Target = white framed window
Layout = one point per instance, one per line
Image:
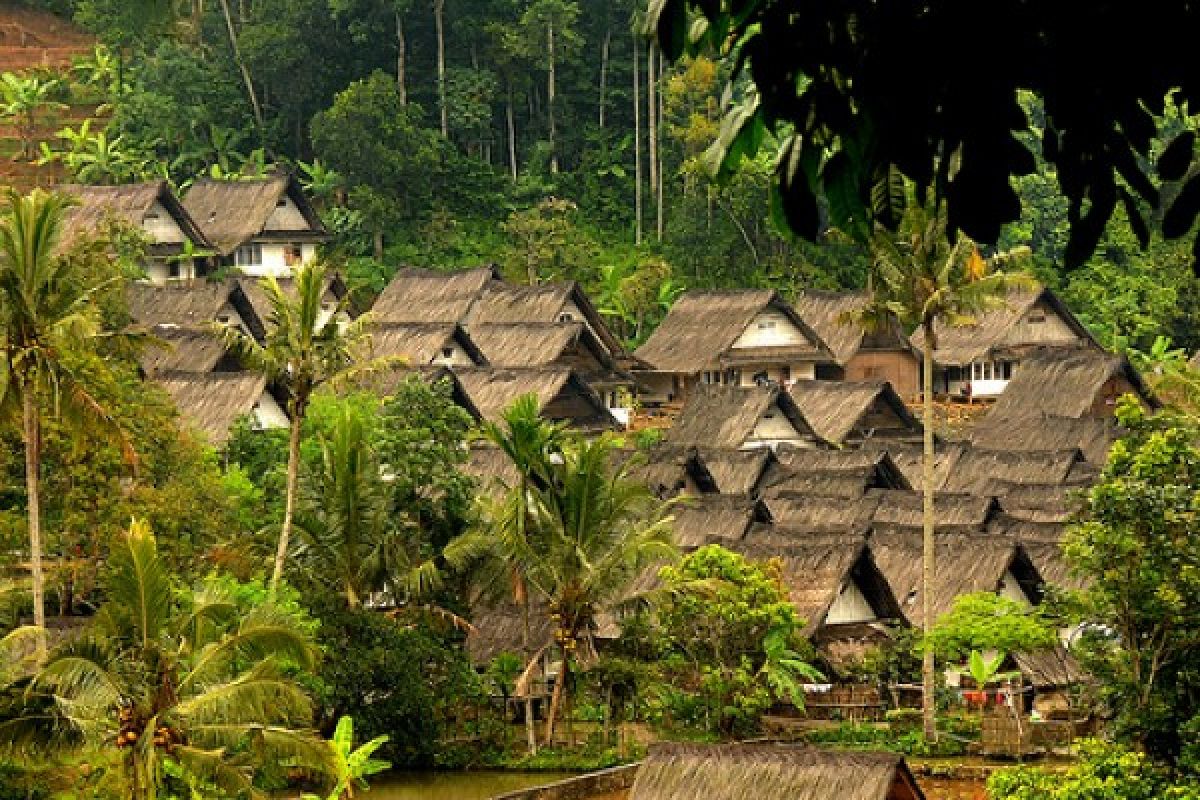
(174, 269)
(249, 255)
(447, 352)
(566, 316)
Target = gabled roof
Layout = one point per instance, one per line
(189, 305)
(426, 295)
(505, 303)
(909, 458)
(966, 563)
(421, 343)
(1064, 382)
(232, 213)
(726, 416)
(1035, 430)
(813, 512)
(183, 349)
(959, 345)
(668, 470)
(837, 408)
(719, 518)
(977, 468)
(831, 315)
(562, 395)
(887, 474)
(129, 204)
(899, 509)
(735, 471)
(850, 485)
(770, 771)
(334, 288)
(702, 326)
(211, 402)
(385, 383)
(537, 344)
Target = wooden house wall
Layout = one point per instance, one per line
(900, 368)
(1105, 401)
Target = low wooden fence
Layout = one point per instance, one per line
(851, 703)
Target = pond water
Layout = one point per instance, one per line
(456, 785)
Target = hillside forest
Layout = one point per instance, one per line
(547, 136)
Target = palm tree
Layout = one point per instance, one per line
(202, 682)
(922, 279)
(596, 530)
(48, 315)
(305, 348)
(530, 443)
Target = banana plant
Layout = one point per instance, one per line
(351, 765)
(21, 100)
(784, 668)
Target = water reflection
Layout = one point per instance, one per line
(456, 785)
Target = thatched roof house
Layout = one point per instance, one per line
(977, 469)
(717, 518)
(1038, 503)
(966, 563)
(670, 471)
(561, 394)
(211, 402)
(564, 301)
(426, 343)
(270, 209)
(151, 208)
(850, 485)
(909, 458)
(334, 292)
(1035, 430)
(735, 417)
(899, 509)
(884, 354)
(417, 295)
(176, 349)
(386, 382)
(771, 772)
(491, 468)
(812, 512)
(847, 413)
(193, 305)
(1071, 383)
(736, 471)
(737, 337)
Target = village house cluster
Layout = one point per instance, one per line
(788, 425)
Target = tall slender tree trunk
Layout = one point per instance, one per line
(556, 700)
(652, 115)
(401, 60)
(241, 65)
(658, 169)
(637, 144)
(33, 461)
(289, 499)
(550, 94)
(604, 50)
(928, 543)
(439, 6)
(530, 727)
(512, 133)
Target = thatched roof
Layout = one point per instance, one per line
(186, 350)
(905, 509)
(794, 509)
(966, 563)
(716, 518)
(542, 344)
(770, 772)
(727, 416)
(1039, 431)
(1064, 382)
(211, 402)
(850, 485)
(1054, 668)
(1037, 503)
(426, 295)
(491, 468)
(501, 629)
(702, 326)
(508, 304)
(334, 290)
(799, 459)
(385, 383)
(838, 410)
(831, 315)
(421, 343)
(736, 471)
(669, 470)
(128, 204)
(190, 305)
(991, 331)
(909, 456)
(561, 395)
(232, 213)
(977, 468)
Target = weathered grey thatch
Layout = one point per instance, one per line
(716, 518)
(334, 290)
(770, 772)
(1033, 430)
(211, 402)
(909, 456)
(561, 395)
(127, 204)
(905, 509)
(426, 295)
(1054, 668)
(994, 330)
(386, 382)
(191, 305)
(1048, 504)
(737, 471)
(701, 327)
(832, 314)
(508, 304)
(966, 563)
(727, 416)
(850, 485)
(845, 411)
(977, 468)
(544, 344)
(669, 471)
(175, 349)
(1068, 382)
(807, 511)
(422, 343)
(501, 629)
(491, 468)
(232, 213)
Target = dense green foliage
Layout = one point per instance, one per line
(1103, 772)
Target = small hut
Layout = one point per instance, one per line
(211, 402)
(562, 396)
(735, 471)
(909, 459)
(846, 414)
(1070, 382)
(669, 471)
(332, 293)
(771, 772)
(194, 306)
(1034, 430)
(737, 417)
(179, 349)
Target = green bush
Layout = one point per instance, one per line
(1103, 772)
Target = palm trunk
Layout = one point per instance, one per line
(241, 65)
(530, 728)
(928, 702)
(512, 133)
(289, 499)
(604, 48)
(550, 99)
(401, 64)
(637, 145)
(438, 7)
(33, 463)
(658, 167)
(652, 116)
(556, 700)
